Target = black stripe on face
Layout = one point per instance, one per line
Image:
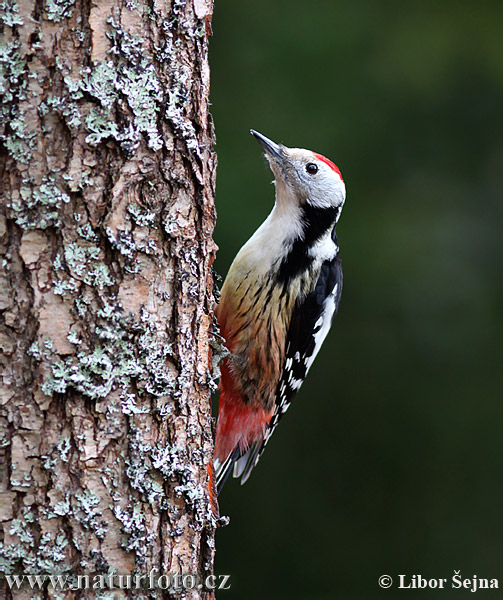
(316, 222)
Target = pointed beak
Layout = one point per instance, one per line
(273, 149)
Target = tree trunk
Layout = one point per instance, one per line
(106, 299)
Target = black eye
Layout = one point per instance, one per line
(311, 168)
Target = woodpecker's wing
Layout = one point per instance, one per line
(310, 323)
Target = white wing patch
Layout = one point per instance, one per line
(323, 326)
(297, 367)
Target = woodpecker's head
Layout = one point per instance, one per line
(303, 176)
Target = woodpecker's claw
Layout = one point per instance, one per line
(268, 145)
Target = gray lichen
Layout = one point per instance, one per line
(19, 142)
(88, 515)
(38, 207)
(57, 10)
(62, 105)
(124, 242)
(9, 13)
(127, 76)
(13, 85)
(130, 407)
(60, 453)
(101, 82)
(101, 126)
(140, 473)
(64, 448)
(12, 70)
(18, 527)
(142, 218)
(46, 555)
(174, 463)
(179, 97)
(87, 233)
(125, 350)
(51, 556)
(63, 508)
(138, 540)
(85, 264)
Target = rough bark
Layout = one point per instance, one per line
(106, 301)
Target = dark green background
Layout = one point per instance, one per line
(390, 460)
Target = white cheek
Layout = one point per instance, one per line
(326, 192)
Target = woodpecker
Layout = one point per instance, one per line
(277, 304)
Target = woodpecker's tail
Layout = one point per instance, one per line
(223, 469)
(241, 465)
(245, 464)
(240, 433)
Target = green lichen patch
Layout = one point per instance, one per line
(137, 537)
(38, 352)
(45, 555)
(64, 448)
(63, 106)
(13, 84)
(9, 13)
(10, 555)
(101, 126)
(20, 142)
(63, 287)
(142, 218)
(124, 350)
(88, 514)
(101, 82)
(12, 71)
(124, 88)
(127, 79)
(85, 264)
(18, 528)
(57, 10)
(173, 462)
(142, 477)
(51, 556)
(38, 207)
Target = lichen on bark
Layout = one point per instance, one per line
(106, 292)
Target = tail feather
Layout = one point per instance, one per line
(241, 465)
(247, 462)
(223, 469)
(240, 433)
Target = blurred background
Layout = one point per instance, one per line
(390, 459)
